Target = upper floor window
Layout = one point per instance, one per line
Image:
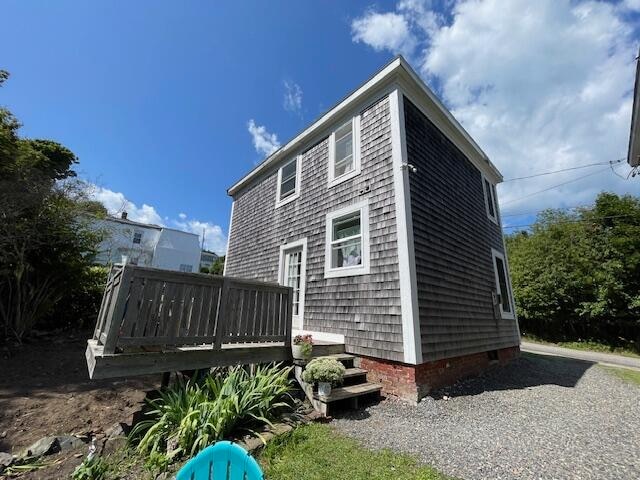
(347, 241)
(344, 152)
(502, 284)
(490, 199)
(289, 181)
(137, 237)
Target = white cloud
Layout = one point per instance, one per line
(214, 238)
(540, 86)
(264, 142)
(384, 31)
(116, 203)
(292, 97)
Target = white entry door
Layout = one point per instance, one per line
(292, 274)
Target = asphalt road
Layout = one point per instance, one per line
(597, 357)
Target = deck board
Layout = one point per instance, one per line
(101, 365)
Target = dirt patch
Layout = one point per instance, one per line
(45, 390)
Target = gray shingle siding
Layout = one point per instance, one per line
(365, 308)
(453, 238)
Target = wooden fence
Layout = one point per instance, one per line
(147, 307)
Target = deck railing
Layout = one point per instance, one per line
(151, 308)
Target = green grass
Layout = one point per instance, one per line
(316, 452)
(626, 374)
(585, 345)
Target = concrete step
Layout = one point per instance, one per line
(342, 393)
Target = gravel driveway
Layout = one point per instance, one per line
(540, 417)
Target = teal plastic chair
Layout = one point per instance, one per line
(221, 461)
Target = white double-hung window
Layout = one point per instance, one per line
(503, 287)
(289, 181)
(490, 200)
(344, 152)
(347, 241)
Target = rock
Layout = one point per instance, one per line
(115, 430)
(280, 428)
(6, 459)
(44, 446)
(115, 439)
(69, 442)
(3, 434)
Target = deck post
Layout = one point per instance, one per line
(112, 326)
(289, 318)
(220, 318)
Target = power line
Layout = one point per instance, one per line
(542, 210)
(556, 186)
(610, 162)
(591, 220)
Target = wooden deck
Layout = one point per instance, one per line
(154, 321)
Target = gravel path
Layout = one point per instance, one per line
(538, 418)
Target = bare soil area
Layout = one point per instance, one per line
(45, 390)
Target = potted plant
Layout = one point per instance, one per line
(302, 347)
(326, 372)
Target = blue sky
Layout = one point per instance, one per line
(167, 104)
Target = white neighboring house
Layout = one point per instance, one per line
(207, 259)
(147, 245)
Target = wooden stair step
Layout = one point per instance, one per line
(354, 372)
(341, 357)
(342, 393)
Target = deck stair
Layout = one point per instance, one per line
(355, 385)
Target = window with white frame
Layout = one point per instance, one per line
(344, 152)
(347, 241)
(490, 199)
(186, 268)
(502, 284)
(137, 237)
(289, 181)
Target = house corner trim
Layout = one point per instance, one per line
(226, 258)
(412, 346)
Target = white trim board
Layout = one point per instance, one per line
(411, 341)
(301, 243)
(323, 336)
(226, 253)
(355, 153)
(296, 192)
(364, 267)
(496, 254)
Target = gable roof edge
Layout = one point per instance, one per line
(396, 67)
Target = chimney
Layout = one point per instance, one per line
(123, 216)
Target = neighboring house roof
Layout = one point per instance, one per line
(397, 71)
(633, 154)
(126, 221)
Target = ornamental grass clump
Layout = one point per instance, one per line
(190, 416)
(324, 370)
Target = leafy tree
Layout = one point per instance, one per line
(46, 239)
(218, 266)
(577, 275)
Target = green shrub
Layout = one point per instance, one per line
(188, 417)
(324, 369)
(91, 469)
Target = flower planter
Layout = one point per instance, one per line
(324, 389)
(296, 351)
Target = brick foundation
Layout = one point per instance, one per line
(412, 382)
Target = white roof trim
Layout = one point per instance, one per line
(399, 68)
